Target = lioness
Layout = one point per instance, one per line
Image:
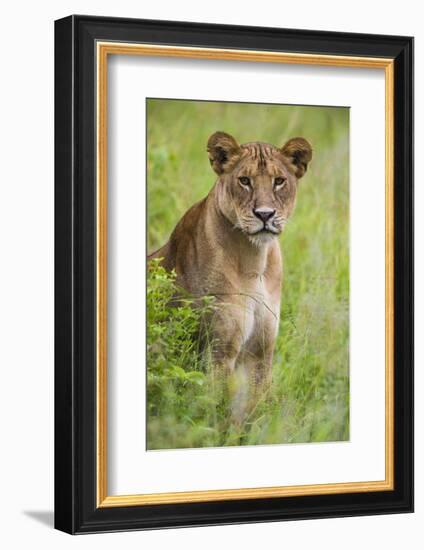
(226, 245)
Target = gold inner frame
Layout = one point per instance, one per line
(104, 49)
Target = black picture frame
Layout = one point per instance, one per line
(76, 510)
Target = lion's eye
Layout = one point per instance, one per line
(279, 182)
(244, 180)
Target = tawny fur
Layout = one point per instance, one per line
(220, 247)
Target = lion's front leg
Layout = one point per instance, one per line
(230, 328)
(251, 380)
(257, 356)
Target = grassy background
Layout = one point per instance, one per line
(309, 400)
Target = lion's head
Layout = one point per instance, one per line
(258, 182)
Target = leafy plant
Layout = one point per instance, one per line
(176, 370)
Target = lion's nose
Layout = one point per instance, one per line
(264, 213)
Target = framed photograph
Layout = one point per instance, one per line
(234, 274)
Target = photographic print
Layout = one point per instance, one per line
(247, 274)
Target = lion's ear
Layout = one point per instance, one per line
(223, 151)
(298, 152)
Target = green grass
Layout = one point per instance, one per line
(309, 397)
